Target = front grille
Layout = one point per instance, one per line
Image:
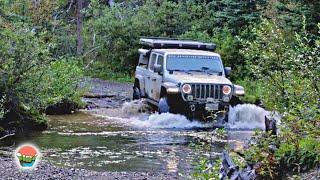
(204, 91)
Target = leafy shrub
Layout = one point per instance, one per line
(55, 83)
(104, 71)
(288, 66)
(260, 155)
(204, 170)
(254, 90)
(305, 156)
(31, 79)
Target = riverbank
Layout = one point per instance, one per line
(45, 170)
(105, 94)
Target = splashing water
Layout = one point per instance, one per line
(165, 120)
(244, 117)
(137, 119)
(247, 116)
(134, 107)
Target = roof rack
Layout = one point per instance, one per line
(162, 43)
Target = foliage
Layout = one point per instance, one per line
(261, 155)
(289, 67)
(204, 170)
(55, 83)
(2, 109)
(275, 58)
(301, 156)
(103, 71)
(254, 90)
(32, 78)
(220, 133)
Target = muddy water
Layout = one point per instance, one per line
(124, 139)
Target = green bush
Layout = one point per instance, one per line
(254, 90)
(305, 156)
(103, 71)
(55, 83)
(31, 78)
(288, 66)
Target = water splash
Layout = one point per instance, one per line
(247, 116)
(135, 107)
(132, 111)
(164, 121)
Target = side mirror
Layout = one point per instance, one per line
(158, 68)
(227, 70)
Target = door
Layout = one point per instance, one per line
(149, 73)
(156, 79)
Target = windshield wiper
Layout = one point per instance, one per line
(179, 70)
(208, 71)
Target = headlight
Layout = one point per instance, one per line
(226, 90)
(186, 88)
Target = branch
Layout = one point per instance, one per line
(8, 135)
(70, 6)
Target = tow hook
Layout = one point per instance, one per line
(192, 107)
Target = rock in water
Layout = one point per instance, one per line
(271, 124)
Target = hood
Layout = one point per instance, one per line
(197, 78)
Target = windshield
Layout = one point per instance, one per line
(194, 63)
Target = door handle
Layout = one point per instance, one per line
(154, 79)
(148, 77)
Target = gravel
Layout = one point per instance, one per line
(45, 170)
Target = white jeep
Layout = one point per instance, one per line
(183, 76)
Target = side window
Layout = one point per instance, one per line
(152, 61)
(143, 61)
(160, 61)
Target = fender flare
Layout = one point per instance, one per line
(169, 88)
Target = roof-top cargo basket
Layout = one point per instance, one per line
(167, 43)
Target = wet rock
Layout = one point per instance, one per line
(259, 103)
(230, 171)
(270, 123)
(63, 107)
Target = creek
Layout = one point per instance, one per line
(126, 139)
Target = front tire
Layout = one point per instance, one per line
(163, 106)
(136, 93)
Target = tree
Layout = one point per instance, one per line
(79, 27)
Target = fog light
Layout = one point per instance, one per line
(225, 99)
(190, 98)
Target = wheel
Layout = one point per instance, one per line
(136, 93)
(163, 106)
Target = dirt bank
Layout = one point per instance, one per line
(105, 94)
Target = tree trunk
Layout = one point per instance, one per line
(79, 27)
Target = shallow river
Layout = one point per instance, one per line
(125, 140)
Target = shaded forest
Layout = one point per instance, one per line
(273, 47)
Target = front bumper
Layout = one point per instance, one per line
(208, 106)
